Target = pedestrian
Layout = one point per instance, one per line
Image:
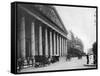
(28, 61)
(87, 56)
(94, 59)
(68, 57)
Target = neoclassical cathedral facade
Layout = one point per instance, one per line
(40, 33)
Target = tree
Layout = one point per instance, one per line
(75, 45)
(79, 44)
(94, 49)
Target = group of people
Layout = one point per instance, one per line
(91, 59)
(36, 62)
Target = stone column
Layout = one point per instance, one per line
(54, 44)
(60, 46)
(18, 49)
(51, 44)
(57, 46)
(63, 46)
(22, 38)
(64, 53)
(33, 42)
(66, 45)
(40, 41)
(32, 39)
(46, 42)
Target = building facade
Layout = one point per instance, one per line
(40, 33)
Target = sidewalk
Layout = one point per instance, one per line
(74, 63)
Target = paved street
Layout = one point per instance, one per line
(74, 63)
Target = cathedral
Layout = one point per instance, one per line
(41, 34)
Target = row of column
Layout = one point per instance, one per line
(58, 44)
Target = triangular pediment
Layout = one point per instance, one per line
(51, 13)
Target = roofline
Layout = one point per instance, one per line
(60, 20)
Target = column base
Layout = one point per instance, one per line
(25, 63)
(21, 63)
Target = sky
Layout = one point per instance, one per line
(81, 21)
